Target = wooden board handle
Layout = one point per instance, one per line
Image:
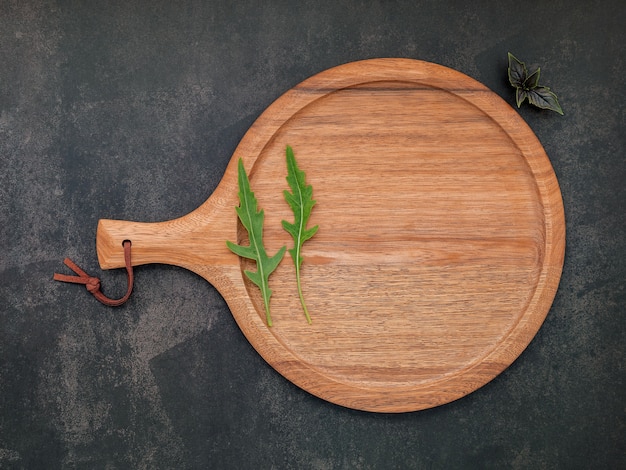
(196, 241)
(188, 242)
(152, 242)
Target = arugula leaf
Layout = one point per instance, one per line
(301, 202)
(527, 86)
(252, 220)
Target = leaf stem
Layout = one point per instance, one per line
(306, 310)
(266, 301)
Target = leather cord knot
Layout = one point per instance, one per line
(93, 283)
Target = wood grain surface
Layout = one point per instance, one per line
(440, 246)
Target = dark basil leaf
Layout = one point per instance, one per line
(517, 71)
(543, 98)
(532, 81)
(527, 86)
(520, 96)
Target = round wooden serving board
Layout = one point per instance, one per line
(440, 245)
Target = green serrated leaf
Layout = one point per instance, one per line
(517, 71)
(252, 220)
(255, 278)
(301, 202)
(543, 98)
(243, 251)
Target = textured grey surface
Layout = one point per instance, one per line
(131, 110)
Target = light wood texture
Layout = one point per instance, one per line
(440, 246)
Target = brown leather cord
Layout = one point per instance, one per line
(93, 283)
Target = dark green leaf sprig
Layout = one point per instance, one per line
(527, 86)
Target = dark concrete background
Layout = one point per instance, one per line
(132, 109)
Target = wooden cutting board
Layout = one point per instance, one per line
(440, 245)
